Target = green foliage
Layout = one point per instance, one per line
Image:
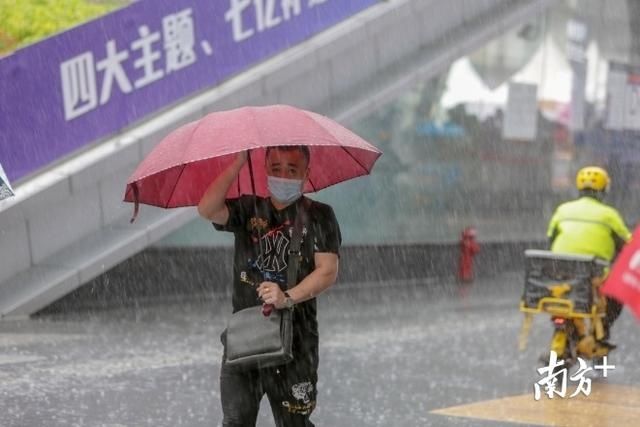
(26, 21)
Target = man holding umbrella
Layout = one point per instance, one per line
(298, 151)
(263, 227)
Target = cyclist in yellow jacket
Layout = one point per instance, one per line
(589, 226)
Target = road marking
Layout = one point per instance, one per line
(23, 339)
(8, 359)
(607, 405)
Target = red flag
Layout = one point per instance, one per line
(623, 282)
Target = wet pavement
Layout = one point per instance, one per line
(390, 354)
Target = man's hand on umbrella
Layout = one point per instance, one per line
(241, 158)
(271, 293)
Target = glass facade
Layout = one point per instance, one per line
(495, 140)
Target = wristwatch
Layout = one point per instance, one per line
(288, 301)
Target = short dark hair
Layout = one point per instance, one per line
(302, 148)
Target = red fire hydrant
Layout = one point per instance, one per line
(468, 249)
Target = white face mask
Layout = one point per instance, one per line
(284, 190)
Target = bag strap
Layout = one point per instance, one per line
(296, 242)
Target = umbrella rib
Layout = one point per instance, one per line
(313, 187)
(175, 186)
(356, 160)
(306, 113)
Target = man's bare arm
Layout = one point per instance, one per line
(212, 205)
(320, 279)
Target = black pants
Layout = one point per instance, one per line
(291, 390)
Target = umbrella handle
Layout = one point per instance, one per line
(267, 309)
(253, 186)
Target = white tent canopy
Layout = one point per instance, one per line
(548, 68)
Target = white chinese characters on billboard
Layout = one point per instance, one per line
(81, 92)
(88, 82)
(265, 12)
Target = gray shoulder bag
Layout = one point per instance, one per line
(255, 340)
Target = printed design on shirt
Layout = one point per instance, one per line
(258, 224)
(275, 248)
(275, 245)
(244, 278)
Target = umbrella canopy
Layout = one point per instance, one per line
(623, 282)
(5, 187)
(180, 168)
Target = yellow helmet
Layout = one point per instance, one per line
(592, 178)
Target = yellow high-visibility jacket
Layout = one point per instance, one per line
(587, 226)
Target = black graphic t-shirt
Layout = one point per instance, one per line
(263, 223)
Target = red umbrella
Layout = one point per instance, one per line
(623, 282)
(179, 169)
